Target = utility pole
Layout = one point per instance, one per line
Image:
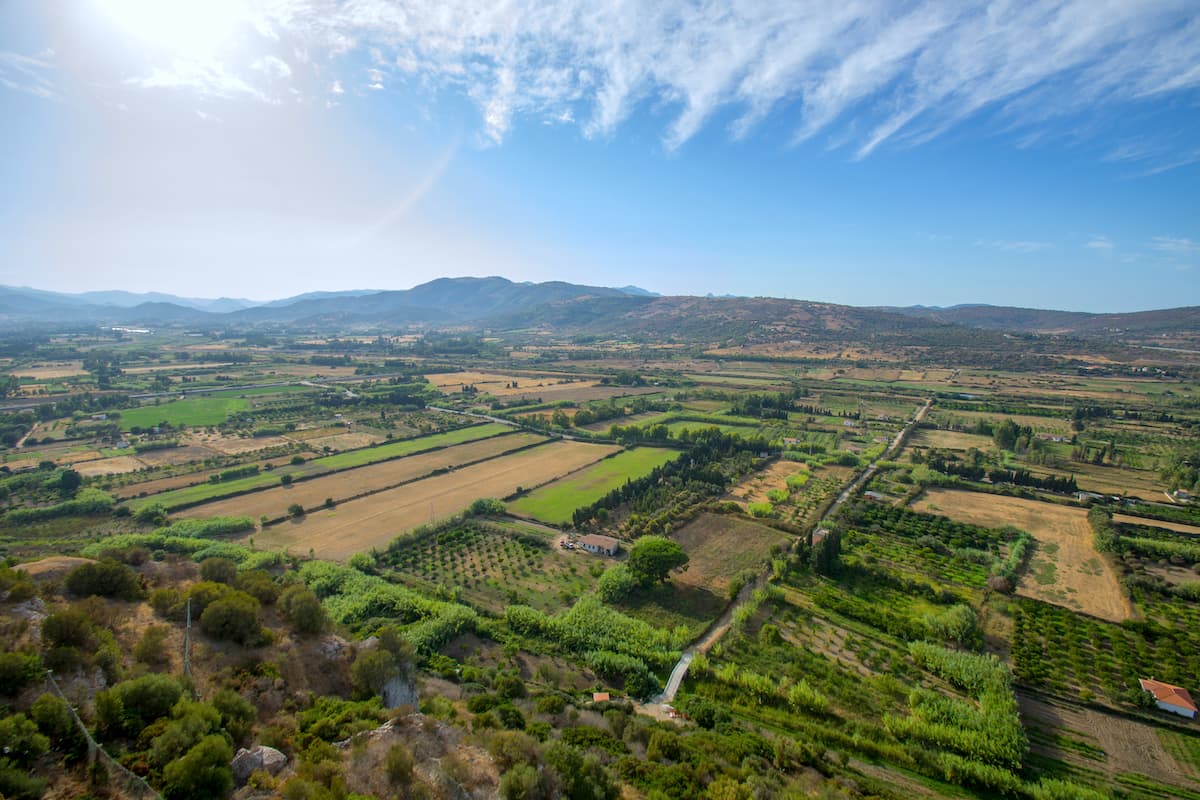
(187, 641)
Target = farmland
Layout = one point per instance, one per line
(556, 502)
(862, 622)
(192, 495)
(1065, 567)
(349, 483)
(371, 522)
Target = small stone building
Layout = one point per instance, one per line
(603, 545)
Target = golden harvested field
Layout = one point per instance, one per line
(720, 547)
(176, 455)
(1065, 568)
(1158, 523)
(1141, 483)
(161, 484)
(108, 466)
(949, 440)
(50, 370)
(373, 521)
(345, 441)
(755, 487)
(348, 483)
(236, 445)
(501, 385)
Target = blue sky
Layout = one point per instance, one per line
(1041, 154)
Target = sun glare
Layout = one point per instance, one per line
(187, 28)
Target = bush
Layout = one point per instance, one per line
(131, 705)
(616, 583)
(205, 593)
(53, 719)
(237, 713)
(202, 774)
(106, 578)
(20, 740)
(68, 628)
(398, 765)
(258, 584)
(303, 609)
(18, 670)
(17, 784)
(218, 570)
(234, 618)
(151, 649)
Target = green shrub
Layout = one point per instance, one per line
(234, 618)
(18, 670)
(203, 774)
(151, 649)
(218, 570)
(106, 578)
(129, 706)
(20, 740)
(616, 583)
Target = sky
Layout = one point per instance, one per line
(871, 152)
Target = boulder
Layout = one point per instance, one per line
(256, 758)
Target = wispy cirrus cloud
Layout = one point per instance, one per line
(1102, 243)
(863, 74)
(28, 74)
(1176, 245)
(1015, 246)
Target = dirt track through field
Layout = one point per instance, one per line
(1065, 568)
(356, 482)
(359, 525)
(1178, 527)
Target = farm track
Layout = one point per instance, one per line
(655, 707)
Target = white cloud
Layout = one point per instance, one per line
(28, 74)
(862, 73)
(1100, 243)
(336, 88)
(1017, 246)
(1176, 245)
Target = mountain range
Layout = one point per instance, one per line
(500, 304)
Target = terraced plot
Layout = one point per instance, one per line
(373, 521)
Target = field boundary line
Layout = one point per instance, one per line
(426, 476)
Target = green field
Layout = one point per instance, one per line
(192, 495)
(691, 425)
(194, 411)
(556, 502)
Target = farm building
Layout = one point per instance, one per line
(818, 535)
(1170, 698)
(604, 545)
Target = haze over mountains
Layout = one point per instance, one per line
(499, 303)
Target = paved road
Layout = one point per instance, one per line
(656, 706)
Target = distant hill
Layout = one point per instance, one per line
(1033, 320)
(497, 303)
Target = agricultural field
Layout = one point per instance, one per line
(556, 502)
(200, 493)
(371, 522)
(494, 567)
(721, 547)
(345, 484)
(191, 412)
(930, 642)
(1065, 567)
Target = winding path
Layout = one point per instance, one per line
(658, 706)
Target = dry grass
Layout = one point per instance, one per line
(1158, 523)
(755, 487)
(236, 445)
(354, 482)
(360, 525)
(176, 455)
(949, 440)
(1129, 746)
(1065, 568)
(108, 466)
(720, 547)
(51, 370)
(345, 441)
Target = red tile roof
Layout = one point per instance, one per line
(599, 697)
(1167, 693)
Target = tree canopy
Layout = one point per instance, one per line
(652, 558)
